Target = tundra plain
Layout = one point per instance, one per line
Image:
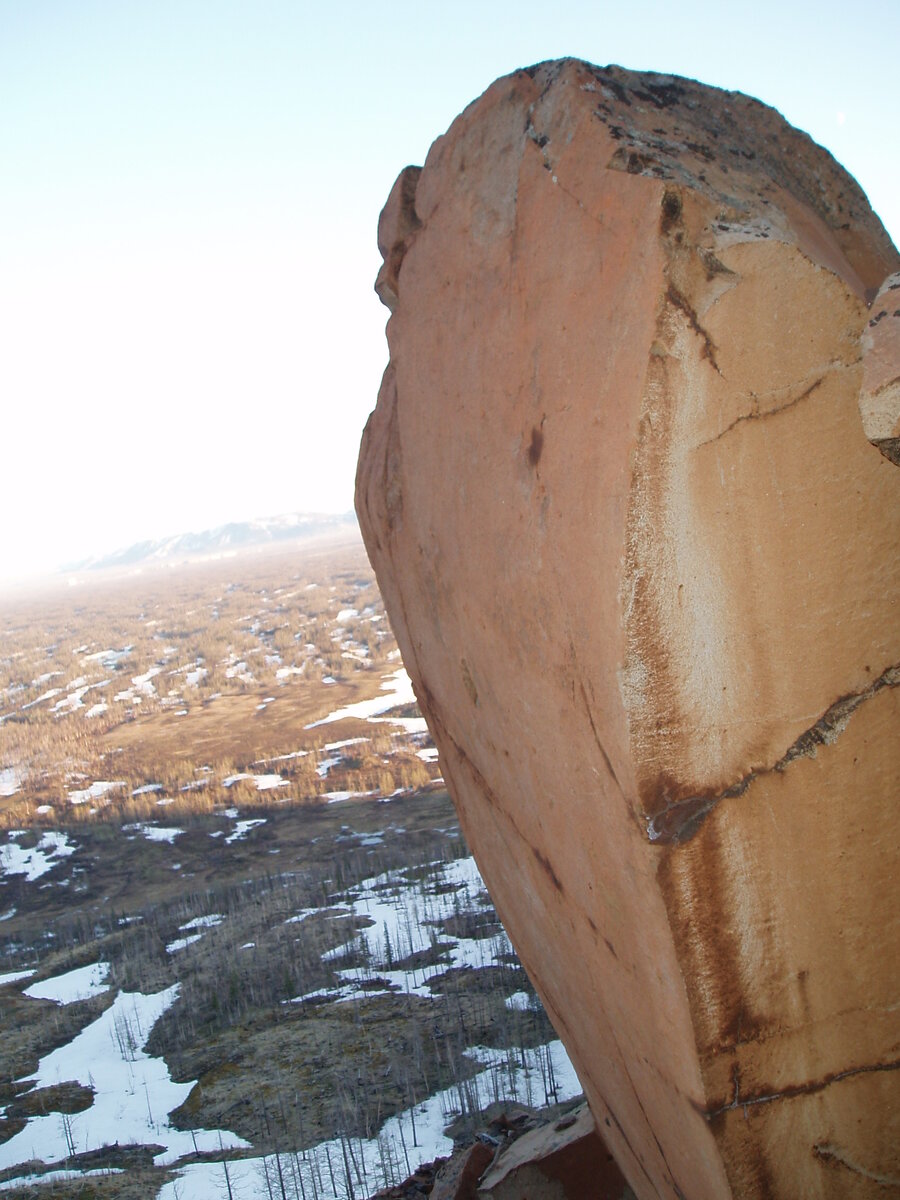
(244, 949)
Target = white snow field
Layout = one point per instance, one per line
(345, 1167)
(10, 781)
(80, 984)
(37, 861)
(405, 916)
(15, 976)
(154, 833)
(399, 689)
(96, 791)
(133, 1093)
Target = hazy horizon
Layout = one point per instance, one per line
(189, 218)
(103, 557)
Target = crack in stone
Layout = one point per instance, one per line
(830, 1153)
(680, 820)
(600, 746)
(800, 1089)
(540, 141)
(681, 302)
(756, 415)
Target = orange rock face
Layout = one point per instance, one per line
(641, 559)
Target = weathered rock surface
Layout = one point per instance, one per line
(879, 400)
(458, 1177)
(641, 560)
(565, 1160)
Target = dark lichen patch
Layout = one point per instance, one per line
(660, 95)
(712, 265)
(890, 448)
(634, 162)
(671, 206)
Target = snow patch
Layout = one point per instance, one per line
(153, 833)
(96, 791)
(37, 861)
(15, 976)
(242, 828)
(400, 691)
(133, 1093)
(10, 781)
(80, 984)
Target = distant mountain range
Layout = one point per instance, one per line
(235, 535)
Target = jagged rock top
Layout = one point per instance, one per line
(726, 145)
(731, 148)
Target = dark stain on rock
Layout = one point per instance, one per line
(547, 868)
(536, 447)
(600, 746)
(683, 304)
(836, 1159)
(756, 415)
(697, 893)
(469, 681)
(713, 265)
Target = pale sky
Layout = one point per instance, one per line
(189, 193)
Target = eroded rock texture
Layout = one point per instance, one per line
(641, 559)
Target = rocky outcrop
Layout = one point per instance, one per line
(563, 1160)
(640, 557)
(520, 1154)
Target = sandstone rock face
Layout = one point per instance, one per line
(641, 560)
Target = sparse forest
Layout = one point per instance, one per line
(218, 795)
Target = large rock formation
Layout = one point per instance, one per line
(641, 560)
